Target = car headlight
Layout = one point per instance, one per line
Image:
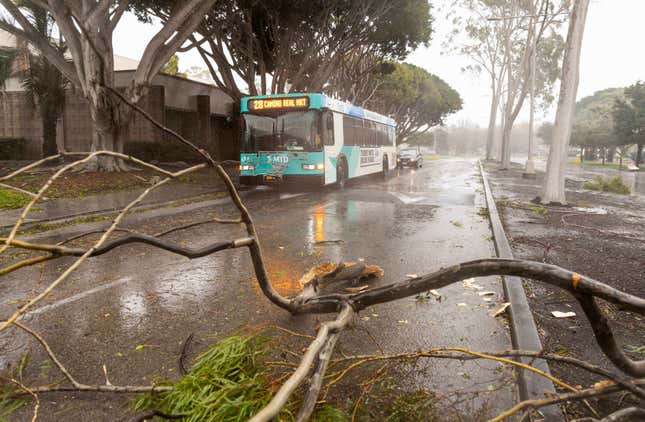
(247, 167)
(398, 160)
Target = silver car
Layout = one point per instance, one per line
(409, 158)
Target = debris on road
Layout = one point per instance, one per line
(470, 284)
(501, 309)
(411, 275)
(559, 314)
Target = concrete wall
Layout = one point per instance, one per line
(194, 120)
(182, 93)
(77, 124)
(19, 118)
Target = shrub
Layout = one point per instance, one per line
(615, 185)
(12, 148)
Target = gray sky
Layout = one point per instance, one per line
(612, 54)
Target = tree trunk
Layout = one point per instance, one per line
(610, 154)
(554, 181)
(582, 155)
(49, 136)
(506, 144)
(492, 121)
(639, 154)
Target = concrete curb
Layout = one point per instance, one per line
(524, 333)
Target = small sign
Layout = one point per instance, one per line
(277, 103)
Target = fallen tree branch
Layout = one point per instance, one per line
(559, 398)
(134, 238)
(89, 252)
(627, 414)
(282, 396)
(439, 353)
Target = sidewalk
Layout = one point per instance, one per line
(110, 201)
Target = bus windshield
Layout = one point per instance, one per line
(292, 131)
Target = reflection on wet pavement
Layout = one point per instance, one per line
(415, 222)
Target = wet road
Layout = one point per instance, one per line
(415, 222)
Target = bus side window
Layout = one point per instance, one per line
(328, 131)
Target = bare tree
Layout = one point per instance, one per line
(521, 36)
(500, 38)
(87, 27)
(554, 180)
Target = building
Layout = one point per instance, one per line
(200, 112)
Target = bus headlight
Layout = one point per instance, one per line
(247, 167)
(319, 166)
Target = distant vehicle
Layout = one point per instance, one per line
(311, 138)
(409, 158)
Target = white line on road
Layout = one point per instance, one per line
(290, 195)
(406, 199)
(78, 296)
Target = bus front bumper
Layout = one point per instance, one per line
(291, 179)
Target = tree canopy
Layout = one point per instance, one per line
(593, 123)
(277, 46)
(629, 118)
(415, 98)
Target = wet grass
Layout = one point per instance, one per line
(10, 199)
(538, 209)
(614, 185)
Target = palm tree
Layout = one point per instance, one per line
(44, 82)
(6, 60)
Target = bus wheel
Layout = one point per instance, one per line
(341, 176)
(386, 168)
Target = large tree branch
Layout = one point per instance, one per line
(37, 40)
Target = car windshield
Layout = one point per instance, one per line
(293, 131)
(408, 153)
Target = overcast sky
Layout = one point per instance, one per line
(613, 54)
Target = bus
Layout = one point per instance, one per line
(312, 139)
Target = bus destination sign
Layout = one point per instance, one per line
(277, 103)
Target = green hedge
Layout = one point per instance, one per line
(12, 148)
(164, 151)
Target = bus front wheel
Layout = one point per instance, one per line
(386, 168)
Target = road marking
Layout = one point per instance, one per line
(406, 199)
(290, 195)
(78, 296)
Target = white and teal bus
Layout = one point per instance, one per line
(312, 139)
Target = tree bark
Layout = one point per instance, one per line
(492, 121)
(554, 180)
(639, 154)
